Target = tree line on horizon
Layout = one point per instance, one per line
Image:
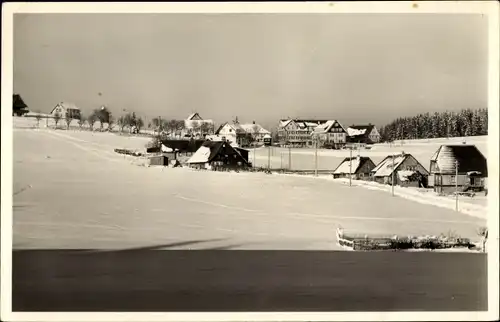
(466, 122)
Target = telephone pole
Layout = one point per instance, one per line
(269, 158)
(393, 174)
(316, 158)
(350, 166)
(456, 185)
(290, 158)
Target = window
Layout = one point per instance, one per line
(453, 179)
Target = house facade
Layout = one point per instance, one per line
(466, 161)
(195, 125)
(330, 134)
(358, 168)
(66, 110)
(403, 168)
(367, 134)
(233, 133)
(297, 133)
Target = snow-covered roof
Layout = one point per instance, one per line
(191, 116)
(385, 168)
(66, 105)
(267, 136)
(166, 148)
(324, 127)
(284, 123)
(201, 155)
(250, 128)
(348, 167)
(354, 132)
(469, 158)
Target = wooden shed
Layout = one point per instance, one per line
(405, 170)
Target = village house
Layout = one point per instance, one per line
(233, 133)
(179, 150)
(404, 168)
(66, 110)
(330, 134)
(466, 161)
(297, 132)
(256, 131)
(196, 126)
(366, 134)
(358, 167)
(215, 155)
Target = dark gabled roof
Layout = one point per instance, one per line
(222, 147)
(368, 129)
(18, 103)
(468, 156)
(183, 145)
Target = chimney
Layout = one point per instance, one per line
(253, 122)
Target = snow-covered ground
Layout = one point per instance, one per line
(72, 191)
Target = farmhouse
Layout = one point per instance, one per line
(367, 134)
(359, 168)
(233, 133)
(330, 134)
(256, 131)
(215, 155)
(66, 109)
(467, 160)
(404, 168)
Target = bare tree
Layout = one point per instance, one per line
(204, 128)
(38, 117)
(121, 123)
(68, 119)
(81, 121)
(111, 122)
(57, 118)
(91, 120)
(139, 123)
(195, 126)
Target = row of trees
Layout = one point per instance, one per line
(176, 126)
(437, 125)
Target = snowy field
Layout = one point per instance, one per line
(72, 191)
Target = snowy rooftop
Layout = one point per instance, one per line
(404, 174)
(385, 168)
(254, 128)
(348, 167)
(354, 132)
(469, 158)
(201, 155)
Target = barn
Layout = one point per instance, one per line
(359, 167)
(405, 170)
(214, 155)
(462, 166)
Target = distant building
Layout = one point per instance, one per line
(404, 168)
(256, 131)
(194, 125)
(358, 167)
(19, 107)
(472, 168)
(367, 134)
(330, 134)
(66, 109)
(295, 132)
